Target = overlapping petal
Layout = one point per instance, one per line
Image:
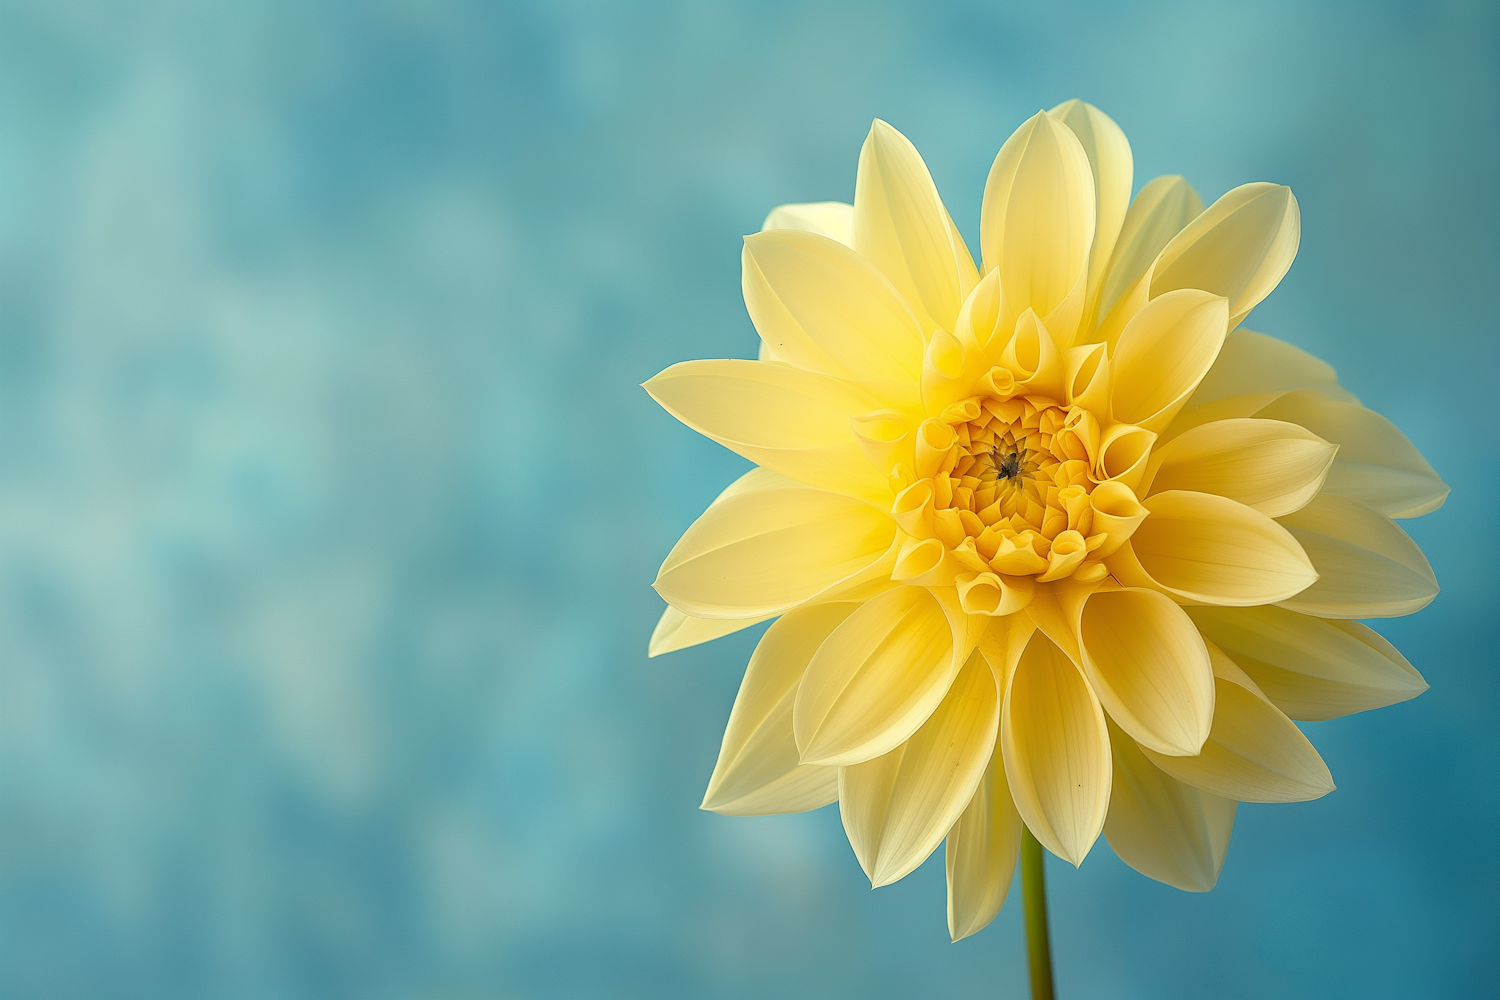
(981, 854)
(1113, 167)
(1272, 466)
(1367, 566)
(833, 219)
(758, 770)
(1158, 213)
(675, 630)
(1163, 352)
(1252, 362)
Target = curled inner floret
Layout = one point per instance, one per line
(1012, 493)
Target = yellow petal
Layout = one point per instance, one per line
(1367, 566)
(823, 307)
(1161, 827)
(758, 771)
(981, 854)
(1376, 464)
(1254, 753)
(1109, 157)
(756, 479)
(877, 678)
(760, 553)
(1037, 223)
(901, 227)
(1311, 668)
(1056, 751)
(1212, 549)
(833, 219)
(790, 421)
(1162, 354)
(1157, 214)
(1271, 465)
(1252, 362)
(1240, 248)
(899, 806)
(1147, 663)
(676, 630)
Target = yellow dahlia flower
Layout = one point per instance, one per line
(1051, 540)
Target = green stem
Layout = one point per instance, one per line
(1034, 894)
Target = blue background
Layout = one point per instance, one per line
(328, 499)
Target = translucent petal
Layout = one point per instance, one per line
(981, 854)
(1149, 667)
(758, 770)
(761, 553)
(901, 226)
(1157, 214)
(899, 806)
(1109, 157)
(1311, 668)
(1272, 466)
(823, 307)
(1367, 566)
(1254, 753)
(1162, 353)
(1253, 362)
(790, 421)
(675, 630)
(876, 679)
(1056, 751)
(1212, 549)
(833, 219)
(1161, 827)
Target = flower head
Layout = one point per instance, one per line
(1051, 541)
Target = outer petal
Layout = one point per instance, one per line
(1311, 668)
(981, 855)
(833, 219)
(823, 307)
(1163, 352)
(1159, 212)
(1239, 248)
(1252, 362)
(901, 227)
(761, 553)
(1212, 549)
(877, 678)
(1161, 827)
(758, 770)
(1037, 223)
(1376, 464)
(1272, 466)
(898, 807)
(1149, 667)
(1367, 566)
(1056, 751)
(675, 630)
(790, 421)
(1109, 157)
(1255, 753)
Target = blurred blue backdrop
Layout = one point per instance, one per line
(328, 499)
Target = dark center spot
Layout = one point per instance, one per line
(1009, 467)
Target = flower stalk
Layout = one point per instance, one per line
(1034, 894)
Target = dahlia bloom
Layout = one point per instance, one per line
(1049, 541)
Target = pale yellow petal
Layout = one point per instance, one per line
(1163, 352)
(981, 854)
(1213, 549)
(1056, 751)
(1253, 362)
(1161, 827)
(1149, 667)
(676, 630)
(1376, 464)
(833, 219)
(899, 806)
(1157, 214)
(1311, 668)
(1254, 753)
(1109, 157)
(1367, 566)
(823, 307)
(761, 553)
(877, 678)
(758, 771)
(901, 226)
(1037, 223)
(1271, 465)
(1240, 247)
(791, 421)
(756, 479)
